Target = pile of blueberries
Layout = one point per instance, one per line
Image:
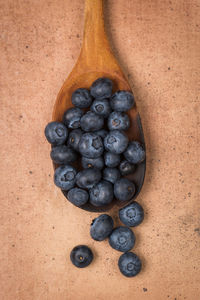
(92, 135)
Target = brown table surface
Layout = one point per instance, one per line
(158, 45)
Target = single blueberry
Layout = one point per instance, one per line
(126, 168)
(124, 189)
(81, 98)
(91, 121)
(101, 88)
(101, 194)
(87, 178)
(102, 133)
(101, 107)
(122, 101)
(135, 152)
(91, 145)
(132, 214)
(56, 133)
(65, 177)
(101, 227)
(111, 174)
(63, 154)
(116, 141)
(77, 196)
(92, 162)
(122, 239)
(72, 117)
(129, 264)
(112, 160)
(81, 256)
(74, 138)
(118, 120)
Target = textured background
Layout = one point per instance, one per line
(158, 45)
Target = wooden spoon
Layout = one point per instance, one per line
(96, 60)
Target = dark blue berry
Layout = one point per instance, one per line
(118, 120)
(132, 214)
(92, 162)
(101, 194)
(56, 133)
(81, 98)
(77, 196)
(116, 141)
(129, 264)
(126, 168)
(72, 117)
(112, 160)
(135, 152)
(81, 256)
(124, 189)
(122, 101)
(91, 145)
(87, 178)
(101, 88)
(102, 133)
(122, 239)
(74, 138)
(101, 227)
(101, 107)
(63, 154)
(111, 174)
(65, 177)
(91, 122)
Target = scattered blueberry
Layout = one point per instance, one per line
(91, 145)
(132, 214)
(81, 98)
(112, 160)
(72, 117)
(126, 168)
(74, 138)
(122, 101)
(81, 256)
(65, 177)
(56, 133)
(101, 107)
(101, 227)
(77, 196)
(135, 152)
(101, 88)
(118, 120)
(101, 194)
(129, 264)
(122, 239)
(102, 133)
(124, 189)
(92, 162)
(91, 122)
(87, 178)
(116, 141)
(111, 174)
(63, 154)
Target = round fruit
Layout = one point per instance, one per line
(91, 145)
(111, 174)
(126, 168)
(101, 107)
(74, 138)
(132, 214)
(101, 194)
(72, 117)
(122, 101)
(101, 88)
(65, 177)
(129, 264)
(112, 160)
(116, 141)
(81, 98)
(77, 196)
(56, 133)
(87, 178)
(81, 256)
(91, 121)
(135, 153)
(92, 162)
(124, 189)
(101, 227)
(118, 120)
(63, 154)
(122, 239)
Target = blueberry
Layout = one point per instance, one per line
(101, 227)
(101, 88)
(101, 107)
(111, 159)
(91, 122)
(74, 138)
(92, 162)
(56, 133)
(124, 189)
(72, 117)
(132, 214)
(129, 264)
(122, 101)
(81, 98)
(126, 168)
(77, 196)
(91, 145)
(101, 194)
(116, 141)
(135, 153)
(111, 174)
(122, 239)
(102, 133)
(118, 120)
(87, 178)
(81, 256)
(63, 154)
(65, 177)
